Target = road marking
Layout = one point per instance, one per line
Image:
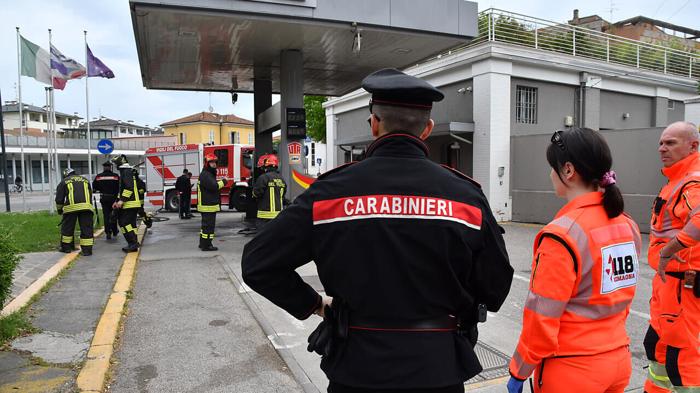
(491, 382)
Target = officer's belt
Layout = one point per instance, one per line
(439, 324)
(678, 275)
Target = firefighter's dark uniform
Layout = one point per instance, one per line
(183, 186)
(131, 197)
(208, 201)
(107, 184)
(73, 196)
(270, 190)
(141, 187)
(403, 244)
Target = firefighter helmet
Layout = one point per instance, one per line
(68, 171)
(262, 160)
(272, 160)
(120, 161)
(210, 157)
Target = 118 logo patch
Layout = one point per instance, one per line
(620, 266)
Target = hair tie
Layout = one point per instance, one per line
(608, 179)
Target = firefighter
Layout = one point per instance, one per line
(269, 191)
(107, 184)
(129, 203)
(672, 342)
(584, 275)
(141, 187)
(208, 201)
(399, 259)
(183, 186)
(73, 196)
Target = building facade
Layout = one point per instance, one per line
(504, 96)
(213, 128)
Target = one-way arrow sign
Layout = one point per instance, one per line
(105, 146)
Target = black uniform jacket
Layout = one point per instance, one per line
(183, 185)
(74, 194)
(270, 190)
(128, 189)
(107, 184)
(208, 188)
(396, 237)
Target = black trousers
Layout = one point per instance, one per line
(127, 223)
(206, 235)
(338, 388)
(110, 224)
(185, 204)
(84, 219)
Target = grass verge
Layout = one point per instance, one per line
(15, 325)
(36, 231)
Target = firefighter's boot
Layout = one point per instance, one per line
(86, 251)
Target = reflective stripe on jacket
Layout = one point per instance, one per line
(208, 197)
(675, 214)
(129, 190)
(584, 275)
(74, 194)
(270, 190)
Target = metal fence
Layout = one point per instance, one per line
(75, 143)
(503, 26)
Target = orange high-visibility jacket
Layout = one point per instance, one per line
(584, 275)
(674, 214)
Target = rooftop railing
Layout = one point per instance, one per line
(75, 143)
(502, 26)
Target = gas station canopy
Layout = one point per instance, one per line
(222, 45)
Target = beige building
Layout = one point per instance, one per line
(208, 127)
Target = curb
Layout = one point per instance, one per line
(93, 374)
(23, 298)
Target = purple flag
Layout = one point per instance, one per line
(96, 67)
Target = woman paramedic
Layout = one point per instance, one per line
(584, 274)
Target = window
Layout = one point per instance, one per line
(526, 105)
(211, 137)
(183, 138)
(222, 157)
(234, 137)
(313, 154)
(671, 105)
(250, 138)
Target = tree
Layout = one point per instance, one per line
(315, 118)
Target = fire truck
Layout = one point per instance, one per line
(165, 164)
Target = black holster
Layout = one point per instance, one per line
(328, 336)
(696, 285)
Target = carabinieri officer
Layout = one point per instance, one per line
(410, 268)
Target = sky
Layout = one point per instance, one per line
(111, 38)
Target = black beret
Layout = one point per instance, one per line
(392, 87)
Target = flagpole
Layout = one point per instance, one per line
(53, 116)
(21, 117)
(87, 108)
(48, 151)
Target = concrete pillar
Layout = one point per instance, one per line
(262, 100)
(14, 170)
(41, 164)
(591, 108)
(659, 114)
(331, 148)
(291, 96)
(491, 157)
(28, 169)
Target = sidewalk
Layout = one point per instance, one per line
(66, 316)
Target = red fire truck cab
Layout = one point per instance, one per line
(165, 164)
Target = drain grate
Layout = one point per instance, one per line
(494, 362)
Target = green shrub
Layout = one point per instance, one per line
(9, 258)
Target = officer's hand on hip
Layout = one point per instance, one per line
(663, 263)
(515, 386)
(325, 301)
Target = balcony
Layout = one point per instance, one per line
(132, 144)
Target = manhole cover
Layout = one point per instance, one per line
(494, 362)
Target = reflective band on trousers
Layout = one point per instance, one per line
(522, 367)
(128, 228)
(206, 236)
(659, 377)
(267, 215)
(87, 242)
(67, 239)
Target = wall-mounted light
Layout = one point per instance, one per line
(357, 39)
(464, 90)
(626, 115)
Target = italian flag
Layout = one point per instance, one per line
(35, 61)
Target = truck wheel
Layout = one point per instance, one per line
(172, 201)
(238, 199)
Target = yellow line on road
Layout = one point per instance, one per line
(478, 385)
(94, 372)
(23, 298)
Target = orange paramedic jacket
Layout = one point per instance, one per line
(584, 274)
(674, 214)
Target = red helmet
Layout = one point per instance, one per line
(262, 160)
(210, 157)
(272, 160)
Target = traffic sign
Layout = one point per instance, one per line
(105, 146)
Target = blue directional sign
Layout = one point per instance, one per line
(105, 146)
